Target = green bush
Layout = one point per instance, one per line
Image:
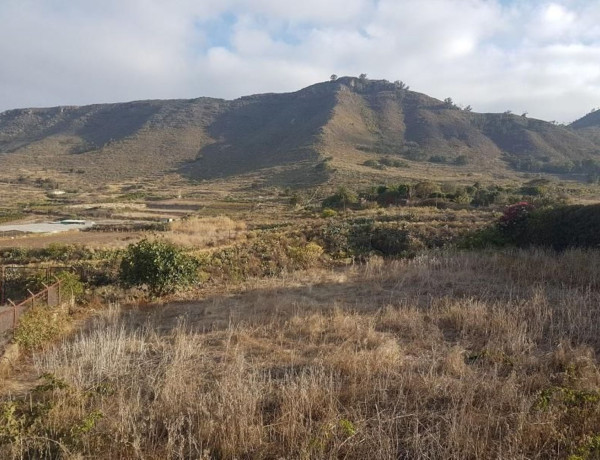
(304, 256)
(461, 160)
(269, 254)
(390, 240)
(343, 199)
(71, 285)
(39, 326)
(365, 236)
(328, 212)
(159, 266)
(437, 159)
(563, 227)
(560, 228)
(373, 164)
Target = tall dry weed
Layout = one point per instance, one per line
(449, 356)
(202, 232)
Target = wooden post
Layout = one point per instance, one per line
(2, 286)
(58, 283)
(14, 313)
(47, 289)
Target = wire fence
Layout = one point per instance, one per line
(10, 314)
(50, 296)
(18, 281)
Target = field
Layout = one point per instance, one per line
(370, 329)
(449, 355)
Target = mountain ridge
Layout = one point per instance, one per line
(348, 122)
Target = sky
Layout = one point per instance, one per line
(535, 56)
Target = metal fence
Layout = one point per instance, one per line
(50, 296)
(16, 280)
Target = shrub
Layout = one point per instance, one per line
(158, 265)
(328, 212)
(390, 240)
(364, 236)
(373, 164)
(488, 237)
(437, 159)
(304, 256)
(426, 188)
(485, 197)
(560, 228)
(461, 160)
(39, 326)
(70, 285)
(18, 283)
(341, 200)
(392, 195)
(513, 222)
(563, 227)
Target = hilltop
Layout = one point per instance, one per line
(334, 131)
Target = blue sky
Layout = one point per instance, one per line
(540, 57)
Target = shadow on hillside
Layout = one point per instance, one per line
(264, 131)
(115, 122)
(298, 175)
(96, 125)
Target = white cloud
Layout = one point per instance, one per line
(536, 56)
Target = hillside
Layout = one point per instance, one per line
(295, 138)
(589, 126)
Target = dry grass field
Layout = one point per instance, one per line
(446, 356)
(201, 232)
(89, 239)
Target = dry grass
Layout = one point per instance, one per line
(201, 232)
(447, 356)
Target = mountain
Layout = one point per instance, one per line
(352, 126)
(589, 126)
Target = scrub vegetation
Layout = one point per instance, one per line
(446, 355)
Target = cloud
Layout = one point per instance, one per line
(536, 56)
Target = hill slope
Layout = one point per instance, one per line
(589, 126)
(349, 121)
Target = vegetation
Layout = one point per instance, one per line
(559, 228)
(158, 265)
(430, 193)
(71, 286)
(40, 326)
(483, 352)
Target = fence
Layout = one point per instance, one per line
(50, 296)
(14, 279)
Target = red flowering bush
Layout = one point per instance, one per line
(516, 214)
(514, 220)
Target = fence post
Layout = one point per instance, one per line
(14, 313)
(58, 283)
(2, 283)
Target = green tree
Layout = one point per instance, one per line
(341, 200)
(158, 265)
(448, 102)
(426, 188)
